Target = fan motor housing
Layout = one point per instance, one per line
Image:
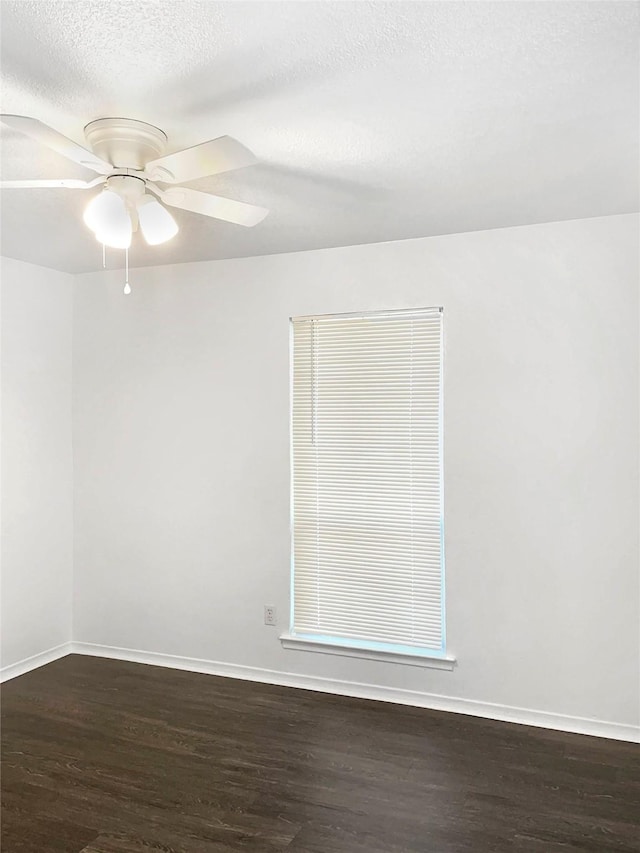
(125, 142)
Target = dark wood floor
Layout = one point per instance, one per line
(101, 756)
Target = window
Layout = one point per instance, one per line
(368, 560)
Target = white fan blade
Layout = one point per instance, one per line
(211, 205)
(208, 158)
(57, 142)
(65, 183)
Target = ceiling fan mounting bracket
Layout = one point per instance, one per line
(125, 142)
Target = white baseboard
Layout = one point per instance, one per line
(504, 713)
(27, 664)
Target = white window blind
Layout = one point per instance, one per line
(367, 484)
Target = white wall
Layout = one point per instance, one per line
(182, 458)
(37, 464)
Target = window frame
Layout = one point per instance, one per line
(356, 647)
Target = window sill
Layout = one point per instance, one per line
(290, 641)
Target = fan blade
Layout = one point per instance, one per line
(211, 205)
(215, 206)
(65, 183)
(208, 158)
(57, 142)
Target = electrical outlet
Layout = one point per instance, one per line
(270, 616)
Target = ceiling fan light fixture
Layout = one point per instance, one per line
(156, 223)
(101, 206)
(107, 216)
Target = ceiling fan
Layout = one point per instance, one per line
(128, 156)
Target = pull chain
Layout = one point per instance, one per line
(127, 286)
(104, 256)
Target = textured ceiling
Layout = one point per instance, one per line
(372, 121)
